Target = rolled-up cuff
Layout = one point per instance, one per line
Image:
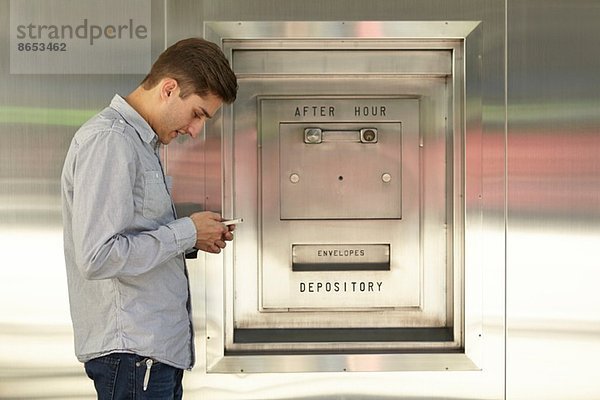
(185, 233)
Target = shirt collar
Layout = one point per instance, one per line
(133, 118)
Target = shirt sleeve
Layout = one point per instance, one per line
(107, 242)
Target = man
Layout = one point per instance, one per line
(124, 246)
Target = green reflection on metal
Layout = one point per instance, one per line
(44, 116)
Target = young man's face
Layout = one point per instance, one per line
(184, 116)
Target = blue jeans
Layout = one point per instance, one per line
(121, 376)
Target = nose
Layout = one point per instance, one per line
(195, 127)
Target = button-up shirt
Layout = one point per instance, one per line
(124, 246)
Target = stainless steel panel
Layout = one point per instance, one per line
(241, 280)
(553, 307)
(361, 197)
(484, 190)
(273, 256)
(341, 177)
(306, 61)
(357, 202)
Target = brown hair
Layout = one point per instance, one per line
(198, 66)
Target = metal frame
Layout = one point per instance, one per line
(466, 125)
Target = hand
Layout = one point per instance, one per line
(211, 234)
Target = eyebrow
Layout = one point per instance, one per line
(206, 114)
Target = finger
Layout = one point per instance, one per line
(214, 216)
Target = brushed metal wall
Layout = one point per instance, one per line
(553, 259)
(549, 222)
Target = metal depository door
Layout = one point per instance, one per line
(344, 157)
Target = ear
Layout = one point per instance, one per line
(168, 88)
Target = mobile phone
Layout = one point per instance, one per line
(233, 221)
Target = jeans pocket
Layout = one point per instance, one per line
(158, 381)
(103, 371)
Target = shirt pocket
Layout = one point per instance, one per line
(157, 201)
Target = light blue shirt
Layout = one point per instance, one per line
(124, 246)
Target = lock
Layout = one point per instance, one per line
(368, 135)
(313, 135)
